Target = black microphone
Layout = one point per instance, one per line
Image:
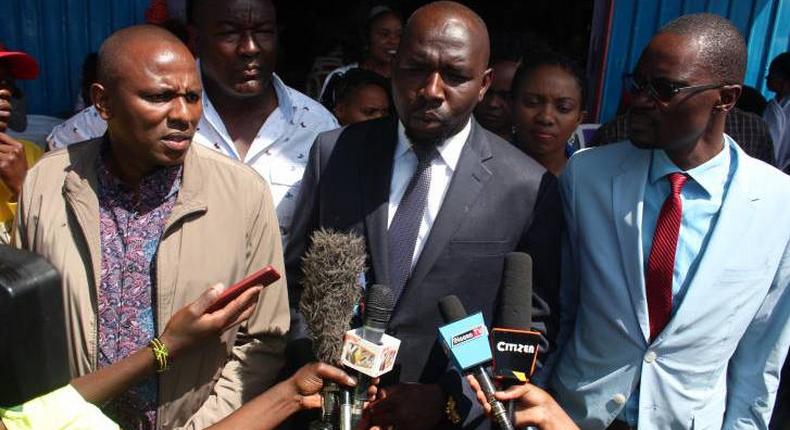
(331, 273)
(466, 336)
(515, 346)
(379, 304)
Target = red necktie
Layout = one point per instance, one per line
(658, 279)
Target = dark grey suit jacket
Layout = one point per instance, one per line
(499, 200)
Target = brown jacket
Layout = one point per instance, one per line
(223, 227)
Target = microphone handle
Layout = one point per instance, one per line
(345, 409)
(497, 408)
(359, 398)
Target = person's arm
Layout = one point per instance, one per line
(753, 372)
(185, 329)
(534, 407)
(299, 392)
(13, 164)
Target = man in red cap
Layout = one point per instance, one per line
(15, 155)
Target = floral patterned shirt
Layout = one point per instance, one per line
(131, 225)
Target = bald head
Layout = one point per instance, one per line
(440, 72)
(722, 49)
(450, 17)
(132, 45)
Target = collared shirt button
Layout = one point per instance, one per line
(619, 399)
(650, 357)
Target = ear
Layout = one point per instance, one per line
(488, 78)
(101, 101)
(728, 95)
(582, 117)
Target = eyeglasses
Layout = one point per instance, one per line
(662, 90)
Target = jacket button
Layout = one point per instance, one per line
(619, 399)
(650, 357)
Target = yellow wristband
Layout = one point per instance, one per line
(160, 354)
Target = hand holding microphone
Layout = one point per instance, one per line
(331, 290)
(465, 337)
(534, 407)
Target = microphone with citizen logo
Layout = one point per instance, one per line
(515, 346)
(465, 338)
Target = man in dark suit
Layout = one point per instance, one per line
(440, 201)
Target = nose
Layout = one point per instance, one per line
(248, 46)
(433, 91)
(498, 100)
(545, 115)
(180, 114)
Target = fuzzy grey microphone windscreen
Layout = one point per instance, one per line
(331, 271)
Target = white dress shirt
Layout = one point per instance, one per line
(442, 168)
(280, 150)
(278, 153)
(777, 116)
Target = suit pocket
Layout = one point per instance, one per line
(479, 247)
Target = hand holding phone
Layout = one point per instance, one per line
(264, 277)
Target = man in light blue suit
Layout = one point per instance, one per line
(675, 298)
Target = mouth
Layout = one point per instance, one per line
(392, 52)
(428, 118)
(543, 135)
(177, 141)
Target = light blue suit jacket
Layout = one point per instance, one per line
(716, 364)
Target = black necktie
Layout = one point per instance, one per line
(402, 233)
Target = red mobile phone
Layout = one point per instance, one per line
(264, 277)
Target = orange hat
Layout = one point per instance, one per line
(23, 66)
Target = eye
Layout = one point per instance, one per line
(192, 97)
(566, 106)
(454, 78)
(159, 97)
(531, 101)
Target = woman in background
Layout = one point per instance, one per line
(548, 97)
(381, 36)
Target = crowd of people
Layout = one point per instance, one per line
(661, 265)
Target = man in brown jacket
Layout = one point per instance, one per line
(140, 222)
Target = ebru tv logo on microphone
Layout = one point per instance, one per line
(474, 333)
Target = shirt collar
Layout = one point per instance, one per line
(710, 175)
(160, 185)
(449, 150)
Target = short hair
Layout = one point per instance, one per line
(342, 86)
(780, 66)
(113, 51)
(723, 50)
(549, 57)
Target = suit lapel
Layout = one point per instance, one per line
(468, 180)
(735, 215)
(628, 189)
(376, 174)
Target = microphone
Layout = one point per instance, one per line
(331, 271)
(369, 360)
(466, 341)
(515, 346)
